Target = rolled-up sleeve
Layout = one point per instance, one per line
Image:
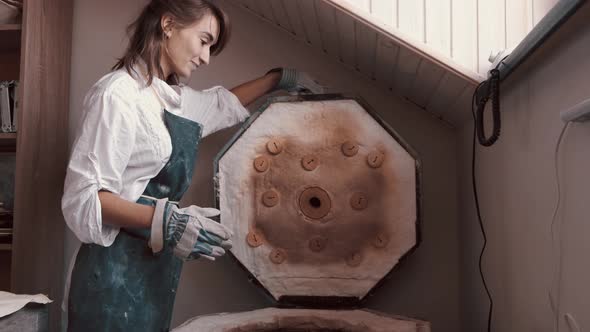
(216, 108)
(100, 154)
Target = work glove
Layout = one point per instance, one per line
(296, 82)
(190, 231)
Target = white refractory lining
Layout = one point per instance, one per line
(320, 127)
(272, 319)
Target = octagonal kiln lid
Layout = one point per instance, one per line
(321, 196)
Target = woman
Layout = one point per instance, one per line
(132, 161)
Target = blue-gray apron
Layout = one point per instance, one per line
(125, 287)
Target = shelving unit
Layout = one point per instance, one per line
(10, 51)
(14, 26)
(37, 53)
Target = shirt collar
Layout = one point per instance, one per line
(169, 94)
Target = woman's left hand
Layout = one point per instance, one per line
(191, 231)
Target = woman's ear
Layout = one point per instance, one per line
(167, 23)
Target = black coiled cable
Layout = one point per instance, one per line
(492, 88)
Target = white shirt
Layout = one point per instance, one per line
(123, 142)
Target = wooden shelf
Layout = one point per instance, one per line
(5, 136)
(7, 142)
(8, 27)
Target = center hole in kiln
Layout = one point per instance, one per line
(315, 202)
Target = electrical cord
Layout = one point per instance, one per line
(485, 240)
(480, 97)
(554, 300)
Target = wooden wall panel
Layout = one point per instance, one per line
(405, 72)
(427, 80)
(386, 11)
(347, 39)
(519, 21)
(411, 18)
(42, 151)
(310, 22)
(492, 31)
(265, 9)
(281, 16)
(362, 4)
(387, 53)
(455, 111)
(464, 42)
(466, 31)
(367, 42)
(326, 18)
(438, 25)
(294, 17)
(447, 92)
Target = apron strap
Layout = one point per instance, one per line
(155, 199)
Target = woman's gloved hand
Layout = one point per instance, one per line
(190, 231)
(296, 82)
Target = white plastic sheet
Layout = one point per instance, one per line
(11, 303)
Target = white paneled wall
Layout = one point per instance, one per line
(466, 31)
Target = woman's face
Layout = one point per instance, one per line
(187, 48)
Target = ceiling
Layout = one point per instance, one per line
(406, 67)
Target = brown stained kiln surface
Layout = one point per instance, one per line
(255, 328)
(346, 231)
(312, 323)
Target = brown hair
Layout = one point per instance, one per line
(146, 34)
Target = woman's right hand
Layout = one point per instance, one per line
(190, 231)
(297, 82)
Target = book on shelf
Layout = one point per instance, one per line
(8, 106)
